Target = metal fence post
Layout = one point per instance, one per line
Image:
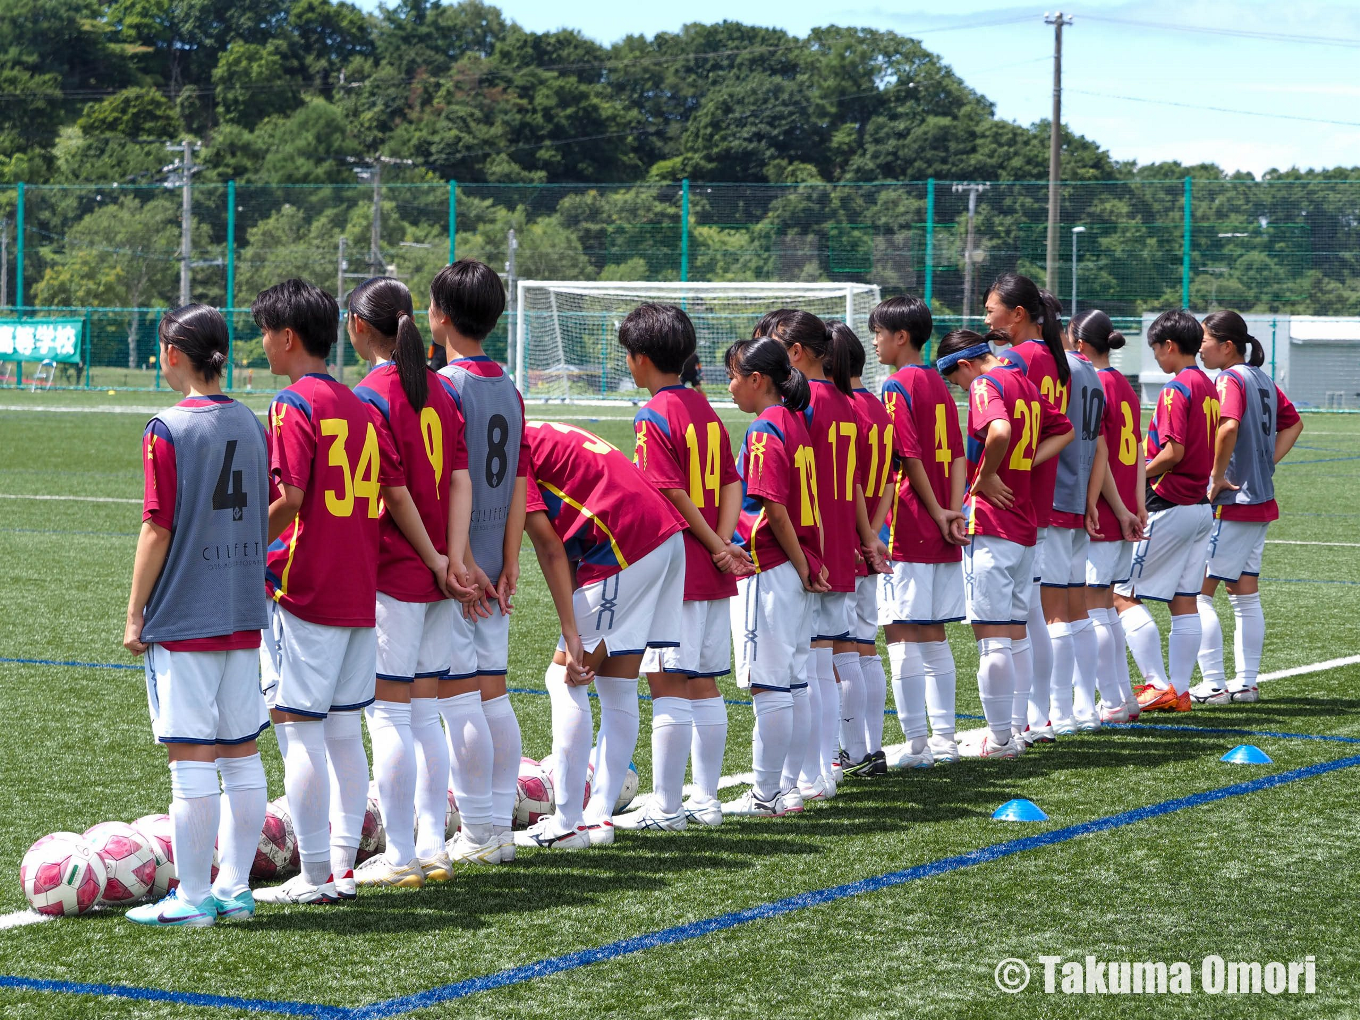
(89, 347)
(930, 239)
(1185, 248)
(453, 221)
(231, 280)
(684, 230)
(19, 251)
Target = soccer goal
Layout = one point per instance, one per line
(564, 337)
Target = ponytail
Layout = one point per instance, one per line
(846, 345)
(1050, 327)
(200, 333)
(811, 333)
(385, 304)
(769, 357)
(1094, 329)
(1228, 327)
(1044, 310)
(1116, 340)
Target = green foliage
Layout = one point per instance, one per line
(134, 113)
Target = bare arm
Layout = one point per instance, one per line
(1051, 446)
(988, 482)
(552, 560)
(1225, 441)
(781, 526)
(460, 520)
(948, 519)
(153, 546)
(875, 552)
(1284, 441)
(1167, 457)
(514, 538)
(284, 509)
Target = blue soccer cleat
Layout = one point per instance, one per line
(238, 908)
(172, 912)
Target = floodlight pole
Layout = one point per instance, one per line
(972, 190)
(1075, 231)
(1054, 148)
(339, 299)
(186, 169)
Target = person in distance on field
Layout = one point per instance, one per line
(683, 449)
(196, 609)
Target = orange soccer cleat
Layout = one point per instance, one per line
(1154, 700)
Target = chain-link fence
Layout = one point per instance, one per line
(113, 254)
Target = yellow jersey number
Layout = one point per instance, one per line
(878, 481)
(710, 478)
(943, 455)
(357, 484)
(1027, 413)
(1128, 436)
(432, 432)
(850, 431)
(1211, 406)
(1054, 392)
(807, 484)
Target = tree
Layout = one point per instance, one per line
(253, 83)
(133, 113)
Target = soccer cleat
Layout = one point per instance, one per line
(901, 757)
(541, 837)
(379, 872)
(297, 890)
(703, 811)
(880, 766)
(1045, 734)
(863, 767)
(439, 867)
(240, 907)
(652, 820)
(837, 774)
(464, 851)
(987, 748)
(788, 803)
(506, 836)
(172, 912)
(1118, 714)
(1088, 724)
(345, 888)
(600, 833)
(1134, 709)
(816, 790)
(944, 749)
(1164, 701)
(748, 805)
(1063, 726)
(1205, 693)
(1245, 695)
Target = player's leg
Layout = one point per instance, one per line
(854, 754)
(241, 715)
(471, 757)
(1250, 634)
(672, 731)
(993, 569)
(1193, 527)
(871, 670)
(709, 741)
(342, 730)
(947, 606)
(1219, 568)
(1034, 657)
(1086, 649)
(1149, 577)
(432, 750)
(491, 643)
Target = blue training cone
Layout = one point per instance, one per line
(1019, 810)
(1246, 754)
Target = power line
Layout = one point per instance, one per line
(1237, 33)
(1219, 109)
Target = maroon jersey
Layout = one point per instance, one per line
(606, 513)
(833, 425)
(682, 444)
(1186, 413)
(429, 448)
(1232, 397)
(920, 404)
(777, 464)
(875, 452)
(1007, 395)
(1035, 359)
(1123, 432)
(324, 440)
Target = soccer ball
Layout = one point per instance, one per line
(533, 793)
(279, 807)
(129, 863)
(551, 767)
(277, 846)
(62, 875)
(630, 788)
(373, 838)
(452, 820)
(155, 829)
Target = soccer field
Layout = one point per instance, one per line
(899, 898)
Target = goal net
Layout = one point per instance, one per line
(564, 335)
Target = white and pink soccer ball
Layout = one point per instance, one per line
(373, 837)
(279, 806)
(129, 861)
(554, 773)
(533, 793)
(62, 875)
(453, 819)
(156, 830)
(278, 844)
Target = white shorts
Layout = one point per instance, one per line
(312, 670)
(1063, 558)
(481, 646)
(415, 639)
(831, 618)
(1041, 536)
(997, 580)
(1235, 549)
(1170, 559)
(637, 608)
(864, 611)
(923, 594)
(204, 697)
(1108, 563)
(772, 618)
(705, 647)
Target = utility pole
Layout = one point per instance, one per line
(185, 171)
(375, 258)
(511, 246)
(339, 298)
(1054, 150)
(972, 190)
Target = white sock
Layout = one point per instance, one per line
(432, 776)
(798, 738)
(941, 684)
(619, 718)
(1121, 656)
(1107, 669)
(1140, 633)
(996, 685)
(1182, 648)
(708, 744)
(875, 700)
(1041, 651)
(348, 761)
(1022, 658)
(394, 767)
(1249, 640)
(571, 726)
(851, 719)
(195, 806)
(470, 759)
(831, 717)
(507, 747)
(244, 799)
(672, 729)
(909, 691)
(770, 741)
(1211, 642)
(306, 783)
(1086, 657)
(810, 765)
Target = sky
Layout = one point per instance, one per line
(1135, 84)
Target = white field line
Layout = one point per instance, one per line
(70, 499)
(96, 409)
(1292, 541)
(22, 917)
(1312, 667)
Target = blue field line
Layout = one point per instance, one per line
(179, 998)
(1317, 460)
(1227, 731)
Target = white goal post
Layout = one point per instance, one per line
(564, 334)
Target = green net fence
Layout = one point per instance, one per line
(113, 254)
